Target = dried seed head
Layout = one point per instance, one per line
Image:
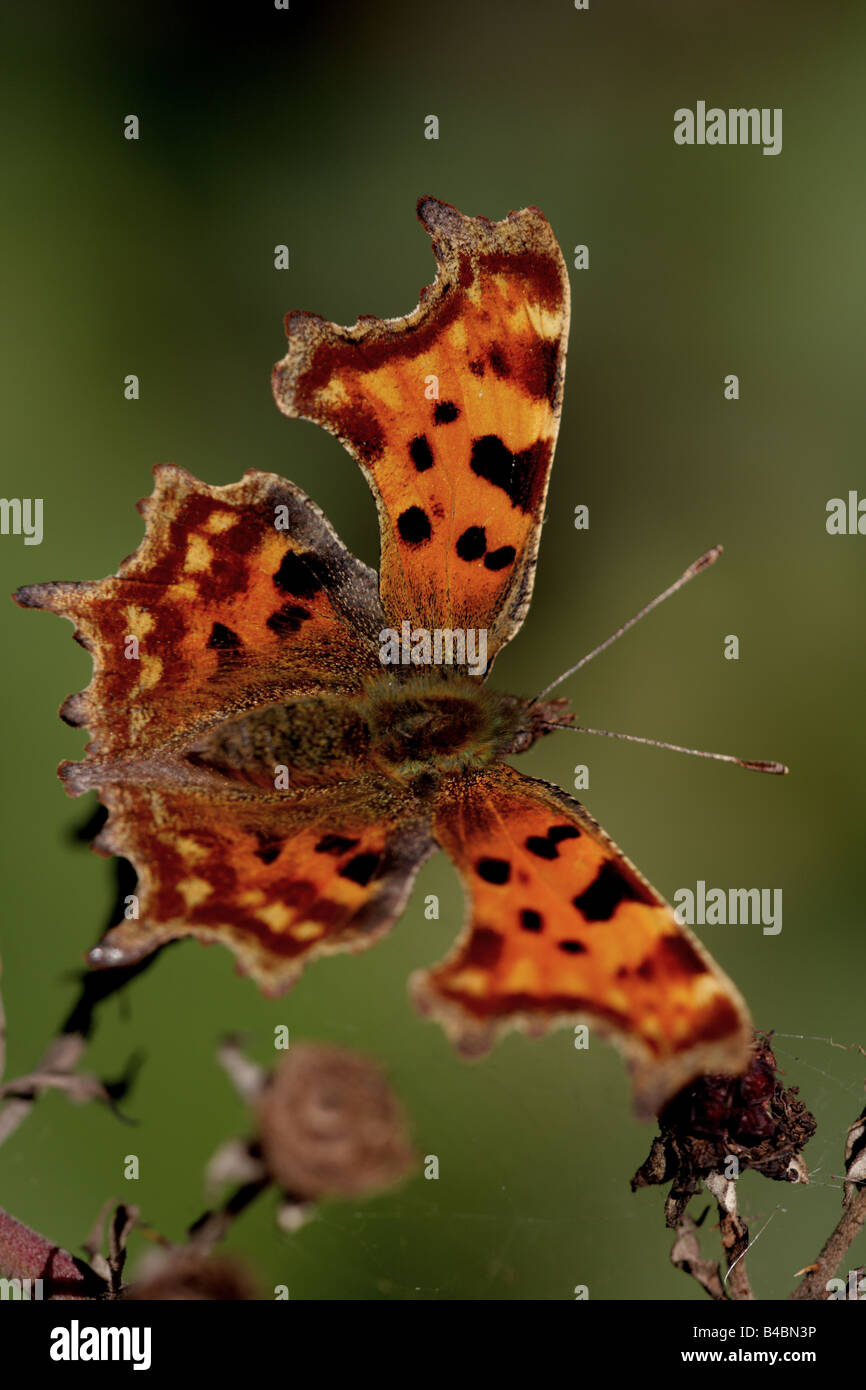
(752, 1119)
(329, 1125)
(184, 1275)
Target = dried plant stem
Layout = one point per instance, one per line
(686, 1255)
(55, 1069)
(213, 1226)
(686, 1252)
(735, 1236)
(835, 1248)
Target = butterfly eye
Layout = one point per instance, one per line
(522, 740)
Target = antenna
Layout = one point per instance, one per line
(708, 558)
(752, 764)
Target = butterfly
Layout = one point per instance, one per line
(281, 737)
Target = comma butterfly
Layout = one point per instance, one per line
(277, 785)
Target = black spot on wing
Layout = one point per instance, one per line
(295, 576)
(520, 475)
(530, 920)
(334, 844)
(269, 849)
(608, 889)
(571, 948)
(493, 870)
(558, 833)
(420, 453)
(545, 846)
(472, 544)
(540, 846)
(288, 619)
(414, 526)
(499, 559)
(360, 869)
(445, 412)
(222, 639)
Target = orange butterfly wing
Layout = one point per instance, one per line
(281, 879)
(238, 597)
(229, 611)
(562, 927)
(452, 413)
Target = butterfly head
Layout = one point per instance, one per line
(532, 719)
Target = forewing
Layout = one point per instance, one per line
(452, 413)
(237, 596)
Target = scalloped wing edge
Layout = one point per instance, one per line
(64, 597)
(655, 1082)
(129, 942)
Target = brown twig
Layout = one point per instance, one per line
(58, 1064)
(686, 1251)
(213, 1226)
(55, 1069)
(686, 1255)
(850, 1222)
(735, 1236)
(835, 1248)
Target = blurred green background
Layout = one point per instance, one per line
(307, 127)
